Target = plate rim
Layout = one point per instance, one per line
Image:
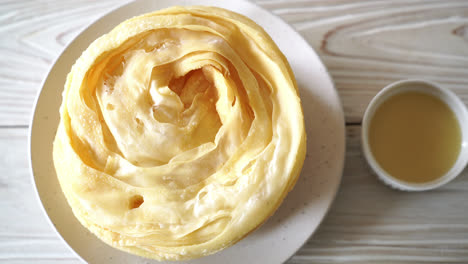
(33, 118)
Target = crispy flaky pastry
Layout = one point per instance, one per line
(181, 131)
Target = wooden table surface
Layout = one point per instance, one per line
(364, 44)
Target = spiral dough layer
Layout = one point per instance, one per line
(181, 131)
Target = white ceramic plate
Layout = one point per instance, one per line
(303, 209)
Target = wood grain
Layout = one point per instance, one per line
(369, 44)
(364, 44)
(368, 222)
(33, 34)
(25, 235)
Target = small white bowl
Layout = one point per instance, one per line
(447, 96)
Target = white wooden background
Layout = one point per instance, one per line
(364, 44)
